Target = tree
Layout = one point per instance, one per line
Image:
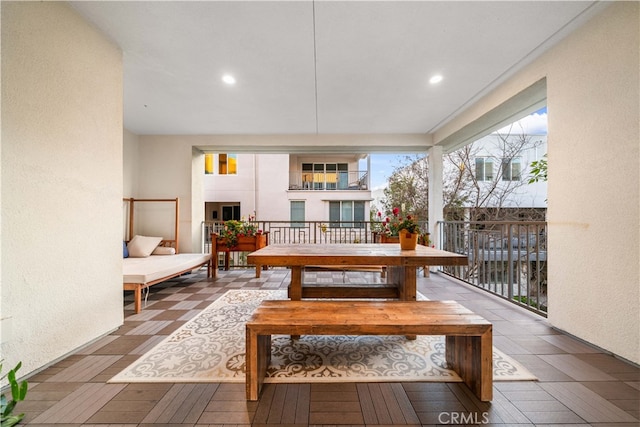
(408, 188)
(538, 170)
(477, 179)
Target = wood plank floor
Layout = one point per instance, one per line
(578, 385)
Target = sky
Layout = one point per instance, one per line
(383, 165)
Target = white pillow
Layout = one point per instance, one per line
(142, 246)
(163, 250)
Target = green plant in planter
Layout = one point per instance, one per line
(233, 229)
(18, 393)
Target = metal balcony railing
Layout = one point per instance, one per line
(340, 180)
(294, 232)
(508, 259)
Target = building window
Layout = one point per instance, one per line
(231, 213)
(318, 176)
(484, 169)
(341, 213)
(511, 169)
(325, 176)
(297, 213)
(227, 164)
(208, 164)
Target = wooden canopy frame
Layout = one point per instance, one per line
(176, 229)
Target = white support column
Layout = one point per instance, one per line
(436, 170)
(369, 171)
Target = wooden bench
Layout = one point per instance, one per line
(468, 336)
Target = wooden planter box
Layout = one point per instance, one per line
(245, 244)
(389, 239)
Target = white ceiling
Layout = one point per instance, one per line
(323, 67)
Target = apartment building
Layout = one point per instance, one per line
(287, 187)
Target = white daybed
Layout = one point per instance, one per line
(140, 273)
(156, 260)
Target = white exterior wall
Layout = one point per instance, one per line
(259, 186)
(317, 202)
(262, 185)
(240, 187)
(62, 184)
(273, 181)
(130, 162)
(527, 195)
(166, 165)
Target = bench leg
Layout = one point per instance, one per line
(137, 298)
(258, 271)
(472, 358)
(258, 356)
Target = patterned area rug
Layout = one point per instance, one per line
(211, 348)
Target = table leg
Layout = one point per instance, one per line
(409, 288)
(295, 287)
(404, 278)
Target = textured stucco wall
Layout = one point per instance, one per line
(166, 165)
(594, 159)
(592, 80)
(130, 163)
(61, 183)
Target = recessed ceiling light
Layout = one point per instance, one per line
(229, 79)
(435, 79)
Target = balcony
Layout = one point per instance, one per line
(321, 181)
(507, 259)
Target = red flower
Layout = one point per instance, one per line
(396, 211)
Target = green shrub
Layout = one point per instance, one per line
(18, 393)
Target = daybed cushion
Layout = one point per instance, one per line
(149, 269)
(142, 246)
(125, 251)
(164, 250)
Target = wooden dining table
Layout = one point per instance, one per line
(401, 266)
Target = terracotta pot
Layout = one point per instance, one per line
(408, 241)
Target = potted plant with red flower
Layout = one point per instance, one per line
(406, 229)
